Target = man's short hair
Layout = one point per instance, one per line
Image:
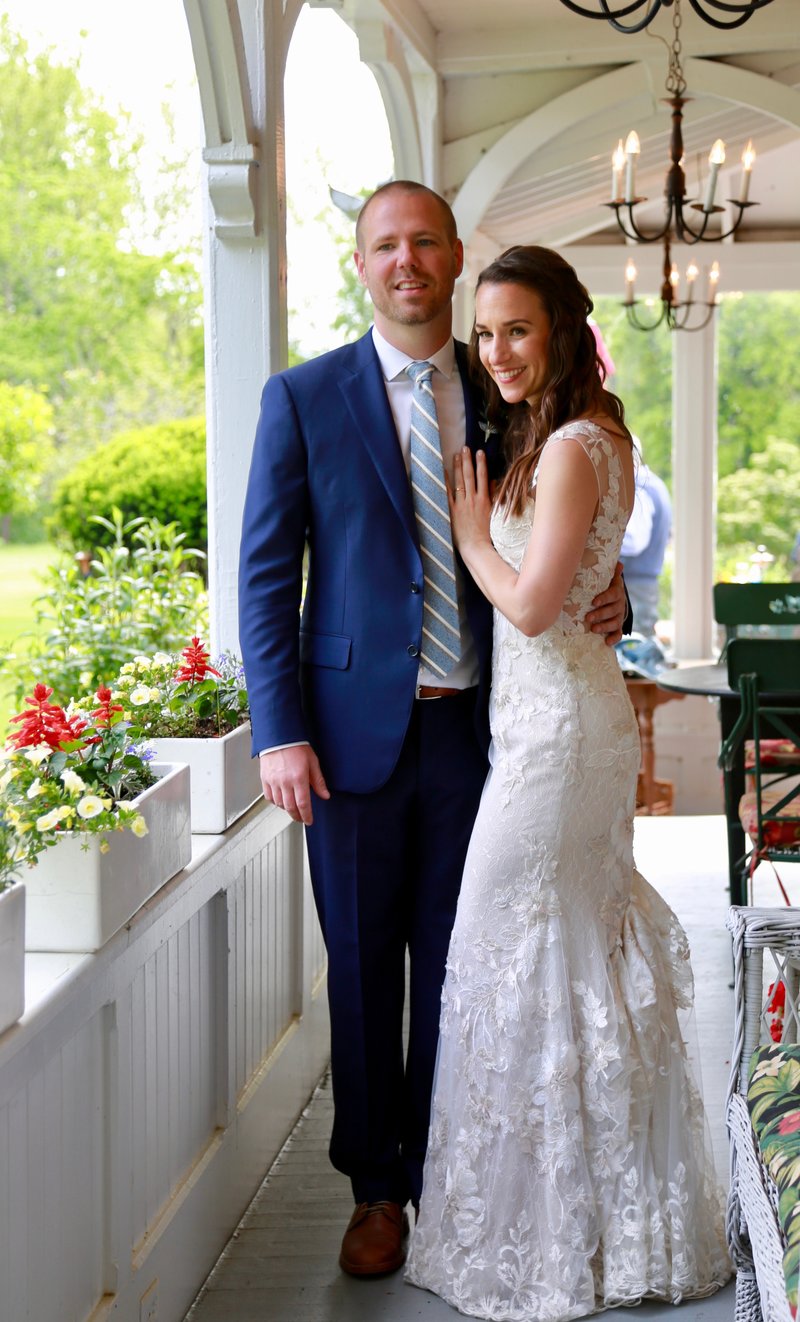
(407, 186)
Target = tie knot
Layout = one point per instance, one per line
(420, 372)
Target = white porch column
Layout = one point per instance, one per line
(240, 63)
(694, 459)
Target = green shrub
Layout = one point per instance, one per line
(156, 472)
(141, 596)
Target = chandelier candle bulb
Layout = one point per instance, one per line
(713, 278)
(748, 157)
(716, 158)
(617, 166)
(630, 280)
(632, 149)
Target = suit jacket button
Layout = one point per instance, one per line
(415, 587)
(412, 650)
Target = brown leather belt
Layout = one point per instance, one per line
(433, 691)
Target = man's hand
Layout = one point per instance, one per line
(609, 609)
(287, 777)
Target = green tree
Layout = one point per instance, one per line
(113, 333)
(643, 381)
(759, 394)
(354, 317)
(26, 425)
(761, 504)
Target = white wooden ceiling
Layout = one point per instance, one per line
(519, 72)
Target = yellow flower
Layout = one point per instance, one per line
(71, 781)
(89, 806)
(143, 662)
(139, 826)
(85, 679)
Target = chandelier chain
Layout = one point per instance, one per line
(676, 82)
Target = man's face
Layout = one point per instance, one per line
(408, 260)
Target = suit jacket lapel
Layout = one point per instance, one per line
(364, 392)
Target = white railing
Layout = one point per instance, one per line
(149, 1086)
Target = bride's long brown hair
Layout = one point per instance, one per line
(575, 373)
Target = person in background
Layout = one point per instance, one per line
(644, 546)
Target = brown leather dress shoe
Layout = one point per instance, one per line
(375, 1240)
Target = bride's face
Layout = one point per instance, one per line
(513, 329)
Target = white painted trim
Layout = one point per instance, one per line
(160, 1077)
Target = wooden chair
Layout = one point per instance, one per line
(762, 609)
(766, 672)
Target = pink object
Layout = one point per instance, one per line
(602, 350)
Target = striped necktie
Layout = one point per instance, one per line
(441, 637)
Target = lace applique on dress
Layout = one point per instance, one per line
(568, 1167)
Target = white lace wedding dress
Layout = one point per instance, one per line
(568, 1168)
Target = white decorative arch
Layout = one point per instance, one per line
(382, 52)
(582, 103)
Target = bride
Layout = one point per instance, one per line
(567, 1168)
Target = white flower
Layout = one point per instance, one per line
(155, 696)
(139, 826)
(71, 781)
(49, 820)
(39, 754)
(143, 662)
(140, 695)
(89, 806)
(34, 790)
(162, 659)
(85, 679)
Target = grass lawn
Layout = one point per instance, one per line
(19, 566)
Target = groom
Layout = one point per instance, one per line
(364, 734)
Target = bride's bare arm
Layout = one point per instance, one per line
(566, 502)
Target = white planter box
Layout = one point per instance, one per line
(77, 898)
(225, 778)
(12, 955)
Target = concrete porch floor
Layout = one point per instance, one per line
(281, 1264)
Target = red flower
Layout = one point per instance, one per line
(195, 667)
(44, 723)
(789, 1124)
(103, 714)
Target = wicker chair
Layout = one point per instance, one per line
(755, 1239)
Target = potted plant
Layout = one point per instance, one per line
(12, 927)
(189, 710)
(99, 824)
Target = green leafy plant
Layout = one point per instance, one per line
(157, 473)
(184, 696)
(70, 770)
(140, 594)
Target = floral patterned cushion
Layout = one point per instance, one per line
(774, 753)
(784, 834)
(773, 1099)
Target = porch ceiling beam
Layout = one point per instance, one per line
(404, 17)
(415, 27)
(745, 267)
(547, 46)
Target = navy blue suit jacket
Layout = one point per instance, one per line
(327, 473)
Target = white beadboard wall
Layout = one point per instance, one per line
(149, 1086)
